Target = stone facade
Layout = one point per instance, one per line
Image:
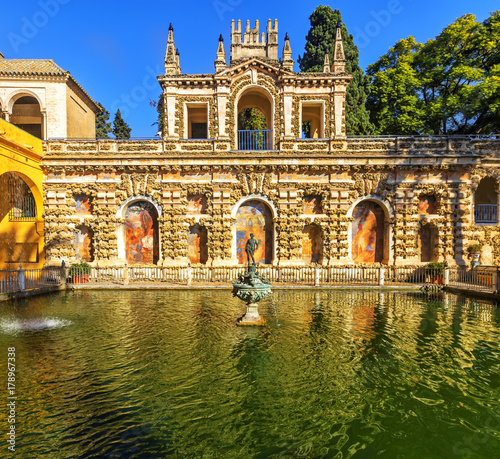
(325, 199)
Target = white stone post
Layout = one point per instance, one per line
(189, 275)
(64, 273)
(125, 275)
(316, 276)
(446, 280)
(21, 277)
(381, 276)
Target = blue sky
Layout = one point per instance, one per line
(114, 49)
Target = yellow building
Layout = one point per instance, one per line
(21, 199)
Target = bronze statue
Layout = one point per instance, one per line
(251, 246)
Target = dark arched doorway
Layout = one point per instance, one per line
(197, 244)
(254, 217)
(312, 244)
(427, 243)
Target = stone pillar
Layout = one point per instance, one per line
(287, 113)
(222, 94)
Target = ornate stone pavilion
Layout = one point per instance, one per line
(307, 192)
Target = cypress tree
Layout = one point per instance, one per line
(121, 130)
(320, 39)
(102, 125)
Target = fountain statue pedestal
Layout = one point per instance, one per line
(251, 288)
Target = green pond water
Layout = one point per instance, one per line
(332, 374)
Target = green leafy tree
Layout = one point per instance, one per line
(449, 85)
(121, 129)
(321, 39)
(251, 119)
(102, 125)
(160, 110)
(394, 102)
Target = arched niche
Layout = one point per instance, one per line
(197, 244)
(26, 113)
(312, 244)
(369, 233)
(486, 202)
(427, 243)
(140, 235)
(254, 216)
(84, 244)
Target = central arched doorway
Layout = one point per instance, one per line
(255, 120)
(141, 233)
(368, 227)
(254, 217)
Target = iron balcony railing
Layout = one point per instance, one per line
(486, 214)
(255, 140)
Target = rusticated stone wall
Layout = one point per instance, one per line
(395, 173)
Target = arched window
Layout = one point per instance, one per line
(22, 206)
(27, 115)
(486, 202)
(141, 233)
(254, 217)
(368, 233)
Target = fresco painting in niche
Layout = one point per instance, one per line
(427, 205)
(83, 205)
(197, 204)
(255, 217)
(84, 244)
(368, 233)
(141, 236)
(312, 205)
(312, 244)
(197, 244)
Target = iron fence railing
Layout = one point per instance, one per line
(486, 214)
(252, 140)
(21, 280)
(299, 275)
(479, 279)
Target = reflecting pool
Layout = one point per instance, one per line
(332, 374)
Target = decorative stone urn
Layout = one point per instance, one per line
(251, 288)
(476, 257)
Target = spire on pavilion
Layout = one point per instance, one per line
(172, 65)
(287, 62)
(338, 65)
(326, 63)
(220, 62)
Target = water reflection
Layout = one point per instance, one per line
(148, 374)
